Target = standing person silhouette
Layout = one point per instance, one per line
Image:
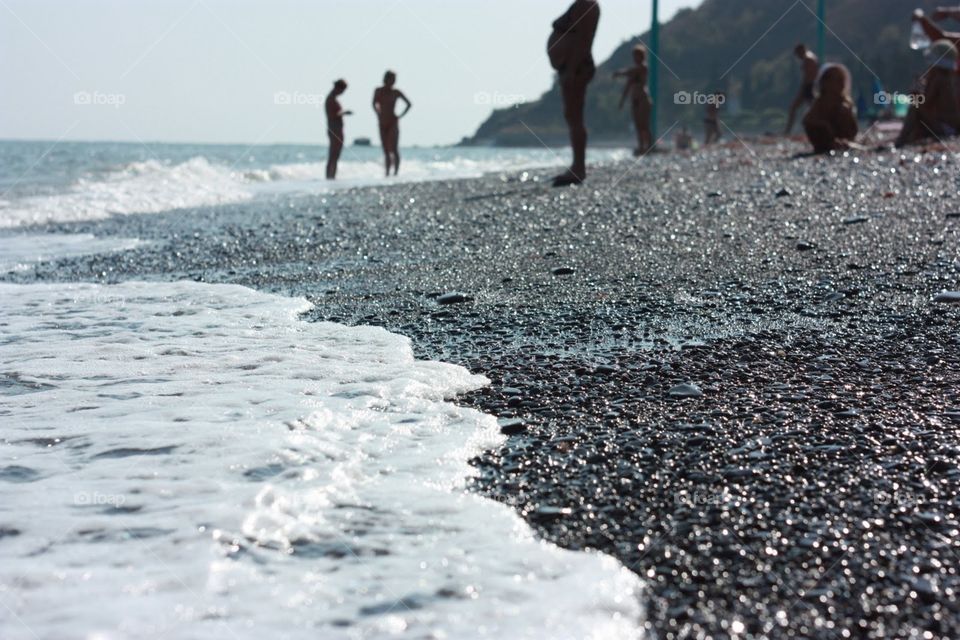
(335, 115)
(711, 118)
(640, 102)
(570, 51)
(810, 66)
(385, 104)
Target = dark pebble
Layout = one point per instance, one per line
(512, 427)
(453, 298)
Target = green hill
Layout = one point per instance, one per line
(743, 47)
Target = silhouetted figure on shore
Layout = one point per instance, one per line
(810, 66)
(385, 104)
(335, 114)
(570, 50)
(935, 113)
(640, 103)
(711, 118)
(831, 122)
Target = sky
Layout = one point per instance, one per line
(256, 72)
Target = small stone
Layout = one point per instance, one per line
(856, 220)
(512, 427)
(563, 271)
(805, 246)
(547, 513)
(606, 369)
(453, 297)
(685, 391)
(948, 297)
(783, 193)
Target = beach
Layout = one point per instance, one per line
(729, 372)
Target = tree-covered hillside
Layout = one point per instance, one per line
(743, 47)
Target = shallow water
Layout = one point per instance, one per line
(20, 251)
(194, 461)
(72, 182)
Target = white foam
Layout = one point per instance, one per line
(154, 186)
(140, 187)
(194, 461)
(19, 252)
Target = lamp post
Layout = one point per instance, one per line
(655, 64)
(821, 29)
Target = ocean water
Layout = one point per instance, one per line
(65, 182)
(194, 461)
(186, 460)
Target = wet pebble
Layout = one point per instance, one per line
(687, 390)
(453, 297)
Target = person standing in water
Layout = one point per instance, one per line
(810, 67)
(570, 50)
(335, 114)
(385, 104)
(640, 103)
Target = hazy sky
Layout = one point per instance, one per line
(256, 72)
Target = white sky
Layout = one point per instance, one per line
(210, 70)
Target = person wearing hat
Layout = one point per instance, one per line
(935, 112)
(831, 122)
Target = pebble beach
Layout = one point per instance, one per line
(734, 372)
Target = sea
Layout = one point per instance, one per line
(192, 460)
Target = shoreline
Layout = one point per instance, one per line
(814, 475)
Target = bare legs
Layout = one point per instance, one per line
(574, 90)
(798, 102)
(390, 140)
(712, 133)
(641, 122)
(333, 157)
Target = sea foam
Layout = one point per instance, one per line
(195, 461)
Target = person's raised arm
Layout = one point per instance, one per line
(942, 13)
(936, 33)
(405, 101)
